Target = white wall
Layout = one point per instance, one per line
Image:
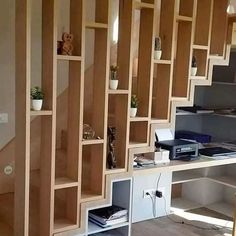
(142, 207)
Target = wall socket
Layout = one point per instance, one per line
(153, 192)
(3, 118)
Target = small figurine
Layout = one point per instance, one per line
(111, 159)
(65, 46)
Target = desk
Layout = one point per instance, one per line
(203, 162)
(195, 172)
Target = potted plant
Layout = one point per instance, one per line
(157, 51)
(134, 106)
(194, 66)
(37, 98)
(113, 79)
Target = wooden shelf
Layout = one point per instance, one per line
(61, 225)
(184, 18)
(114, 171)
(159, 121)
(118, 91)
(200, 47)
(166, 62)
(64, 182)
(96, 25)
(225, 180)
(94, 228)
(138, 119)
(223, 208)
(183, 177)
(41, 113)
(69, 58)
(87, 196)
(141, 5)
(137, 145)
(198, 77)
(92, 141)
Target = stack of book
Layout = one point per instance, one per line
(109, 216)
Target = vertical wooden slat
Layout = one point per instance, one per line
(48, 140)
(22, 114)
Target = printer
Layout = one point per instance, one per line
(179, 149)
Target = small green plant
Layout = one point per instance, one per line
(36, 93)
(194, 62)
(157, 44)
(134, 101)
(114, 70)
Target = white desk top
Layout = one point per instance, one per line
(203, 162)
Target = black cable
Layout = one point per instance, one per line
(153, 205)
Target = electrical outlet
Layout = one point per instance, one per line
(163, 190)
(152, 192)
(3, 118)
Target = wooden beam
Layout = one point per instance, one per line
(22, 126)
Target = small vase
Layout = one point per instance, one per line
(113, 84)
(157, 54)
(37, 104)
(193, 71)
(133, 112)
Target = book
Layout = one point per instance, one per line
(107, 214)
(109, 223)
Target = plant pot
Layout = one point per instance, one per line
(37, 104)
(133, 112)
(157, 54)
(113, 84)
(193, 71)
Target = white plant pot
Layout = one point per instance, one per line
(113, 84)
(157, 54)
(193, 71)
(37, 104)
(133, 112)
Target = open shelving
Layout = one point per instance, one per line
(92, 180)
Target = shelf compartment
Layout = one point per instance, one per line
(141, 84)
(65, 209)
(63, 182)
(96, 25)
(139, 132)
(225, 180)
(92, 172)
(185, 176)
(219, 27)
(202, 61)
(72, 15)
(68, 122)
(182, 204)
(223, 208)
(161, 92)
(118, 109)
(95, 85)
(186, 8)
(97, 11)
(87, 196)
(203, 19)
(41, 113)
(167, 13)
(69, 58)
(182, 60)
